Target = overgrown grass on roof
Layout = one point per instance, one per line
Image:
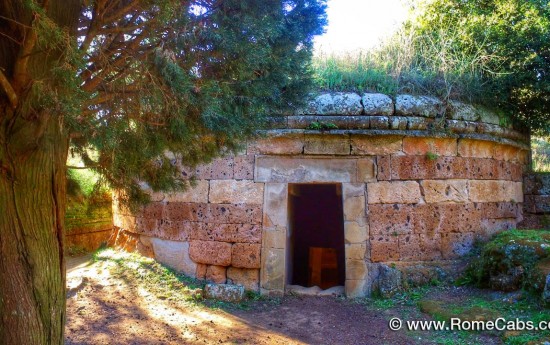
(405, 63)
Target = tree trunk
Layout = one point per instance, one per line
(33, 154)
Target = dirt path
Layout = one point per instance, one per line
(114, 309)
(109, 310)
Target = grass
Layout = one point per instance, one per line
(406, 63)
(164, 282)
(526, 309)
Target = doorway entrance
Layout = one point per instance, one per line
(317, 251)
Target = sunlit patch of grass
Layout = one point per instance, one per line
(164, 282)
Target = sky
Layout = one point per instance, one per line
(359, 24)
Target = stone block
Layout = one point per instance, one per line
(356, 269)
(179, 211)
(377, 104)
(146, 226)
(383, 168)
(176, 230)
(434, 146)
(296, 170)
(194, 193)
(455, 245)
(488, 116)
(124, 222)
(243, 168)
(282, 144)
(145, 247)
(391, 219)
(398, 122)
(437, 191)
(476, 148)
(419, 247)
(495, 191)
(358, 122)
(240, 233)
(355, 288)
(354, 208)
(394, 192)
(175, 255)
(537, 204)
(462, 111)
(249, 278)
(200, 273)
(376, 145)
(335, 103)
(508, 153)
(379, 122)
(384, 248)
(426, 106)
(224, 292)
(245, 255)
(356, 251)
(327, 144)
(418, 123)
(275, 205)
(422, 167)
(273, 269)
(537, 184)
(274, 238)
(219, 169)
(216, 274)
(366, 170)
(355, 233)
(236, 192)
(210, 252)
(153, 210)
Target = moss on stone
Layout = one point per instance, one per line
(528, 250)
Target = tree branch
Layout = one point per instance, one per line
(8, 89)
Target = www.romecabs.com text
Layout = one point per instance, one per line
(456, 324)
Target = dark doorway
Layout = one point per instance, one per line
(317, 235)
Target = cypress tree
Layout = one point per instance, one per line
(122, 83)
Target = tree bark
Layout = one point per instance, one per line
(33, 153)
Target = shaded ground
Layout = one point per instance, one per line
(121, 302)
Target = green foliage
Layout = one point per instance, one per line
(490, 52)
(507, 250)
(164, 282)
(540, 150)
(322, 126)
(505, 46)
(192, 78)
(526, 308)
(431, 156)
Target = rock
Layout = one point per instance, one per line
(389, 281)
(249, 278)
(462, 111)
(246, 255)
(224, 292)
(304, 291)
(488, 116)
(377, 104)
(174, 254)
(511, 281)
(546, 291)
(236, 192)
(333, 291)
(417, 105)
(337, 103)
(216, 274)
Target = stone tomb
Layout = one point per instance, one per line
(419, 181)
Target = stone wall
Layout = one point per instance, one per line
(536, 208)
(421, 180)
